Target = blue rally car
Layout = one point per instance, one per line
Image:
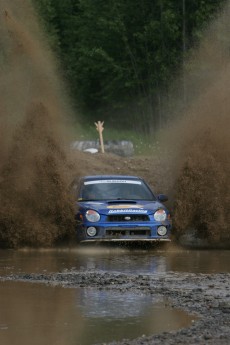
(120, 208)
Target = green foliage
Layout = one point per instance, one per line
(119, 56)
(49, 19)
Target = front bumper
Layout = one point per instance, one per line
(123, 232)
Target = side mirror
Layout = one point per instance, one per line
(162, 197)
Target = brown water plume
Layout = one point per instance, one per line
(35, 170)
(201, 140)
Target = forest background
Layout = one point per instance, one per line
(120, 59)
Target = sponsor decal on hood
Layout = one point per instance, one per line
(142, 207)
(128, 210)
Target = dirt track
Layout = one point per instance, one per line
(152, 169)
(206, 296)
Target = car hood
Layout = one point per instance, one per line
(122, 207)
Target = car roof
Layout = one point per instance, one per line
(110, 177)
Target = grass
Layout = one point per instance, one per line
(143, 145)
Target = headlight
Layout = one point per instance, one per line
(162, 230)
(92, 216)
(91, 231)
(160, 215)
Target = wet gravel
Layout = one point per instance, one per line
(206, 296)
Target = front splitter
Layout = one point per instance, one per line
(127, 240)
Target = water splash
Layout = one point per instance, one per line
(35, 171)
(201, 140)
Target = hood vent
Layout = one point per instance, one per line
(122, 201)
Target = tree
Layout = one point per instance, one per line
(119, 56)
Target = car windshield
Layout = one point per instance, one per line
(115, 190)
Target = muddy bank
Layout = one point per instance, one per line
(206, 296)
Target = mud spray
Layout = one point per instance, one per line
(201, 142)
(35, 168)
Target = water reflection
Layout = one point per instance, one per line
(94, 304)
(37, 314)
(120, 260)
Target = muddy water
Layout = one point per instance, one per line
(56, 315)
(37, 314)
(111, 259)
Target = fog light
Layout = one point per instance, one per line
(162, 230)
(91, 231)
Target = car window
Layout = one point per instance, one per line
(115, 190)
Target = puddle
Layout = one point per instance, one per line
(138, 261)
(37, 314)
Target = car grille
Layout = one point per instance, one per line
(128, 218)
(128, 232)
